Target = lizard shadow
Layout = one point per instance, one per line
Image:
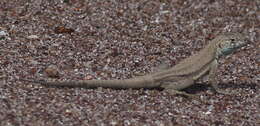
(202, 87)
(193, 89)
(196, 88)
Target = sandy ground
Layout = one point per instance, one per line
(114, 39)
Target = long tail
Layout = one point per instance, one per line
(138, 82)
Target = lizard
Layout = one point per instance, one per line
(176, 78)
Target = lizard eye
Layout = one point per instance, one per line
(232, 40)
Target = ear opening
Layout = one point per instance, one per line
(219, 45)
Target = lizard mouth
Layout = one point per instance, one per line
(230, 50)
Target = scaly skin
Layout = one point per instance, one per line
(181, 76)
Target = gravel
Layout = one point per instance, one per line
(115, 39)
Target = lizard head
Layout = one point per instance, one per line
(228, 43)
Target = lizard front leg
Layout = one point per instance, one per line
(212, 78)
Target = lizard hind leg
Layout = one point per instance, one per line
(174, 88)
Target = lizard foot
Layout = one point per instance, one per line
(176, 92)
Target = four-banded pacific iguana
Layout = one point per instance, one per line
(180, 76)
